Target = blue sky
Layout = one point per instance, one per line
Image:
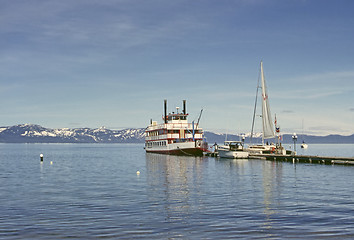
(92, 63)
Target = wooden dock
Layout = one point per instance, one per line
(305, 159)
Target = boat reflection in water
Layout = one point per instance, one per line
(182, 181)
(256, 182)
(197, 188)
(208, 198)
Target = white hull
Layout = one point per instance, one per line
(266, 149)
(232, 149)
(304, 146)
(182, 148)
(232, 154)
(260, 148)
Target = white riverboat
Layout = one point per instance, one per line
(175, 135)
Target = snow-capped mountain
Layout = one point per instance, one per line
(32, 133)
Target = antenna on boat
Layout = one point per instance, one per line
(165, 107)
(184, 107)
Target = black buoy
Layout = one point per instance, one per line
(41, 156)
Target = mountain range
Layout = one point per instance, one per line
(32, 133)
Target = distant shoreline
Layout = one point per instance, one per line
(32, 133)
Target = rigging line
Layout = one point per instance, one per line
(255, 107)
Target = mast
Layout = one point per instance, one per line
(268, 130)
(254, 111)
(200, 115)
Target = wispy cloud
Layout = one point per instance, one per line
(287, 111)
(113, 24)
(326, 130)
(308, 93)
(72, 39)
(326, 76)
(316, 86)
(97, 53)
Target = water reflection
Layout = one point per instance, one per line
(272, 176)
(264, 178)
(174, 181)
(238, 166)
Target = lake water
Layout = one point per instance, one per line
(90, 191)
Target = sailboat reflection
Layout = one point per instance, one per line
(257, 182)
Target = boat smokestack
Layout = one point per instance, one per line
(165, 108)
(184, 107)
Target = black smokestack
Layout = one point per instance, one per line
(165, 107)
(184, 107)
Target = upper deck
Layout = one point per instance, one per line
(176, 118)
(175, 125)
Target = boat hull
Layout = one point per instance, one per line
(180, 152)
(233, 154)
(181, 148)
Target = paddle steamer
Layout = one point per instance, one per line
(175, 135)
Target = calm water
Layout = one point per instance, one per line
(92, 191)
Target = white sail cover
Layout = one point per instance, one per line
(268, 130)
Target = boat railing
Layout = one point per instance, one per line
(188, 126)
(173, 136)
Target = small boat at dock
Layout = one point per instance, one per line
(232, 149)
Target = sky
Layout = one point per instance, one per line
(93, 63)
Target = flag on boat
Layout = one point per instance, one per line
(277, 129)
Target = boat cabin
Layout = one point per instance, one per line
(234, 145)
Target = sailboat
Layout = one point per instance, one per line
(267, 123)
(303, 144)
